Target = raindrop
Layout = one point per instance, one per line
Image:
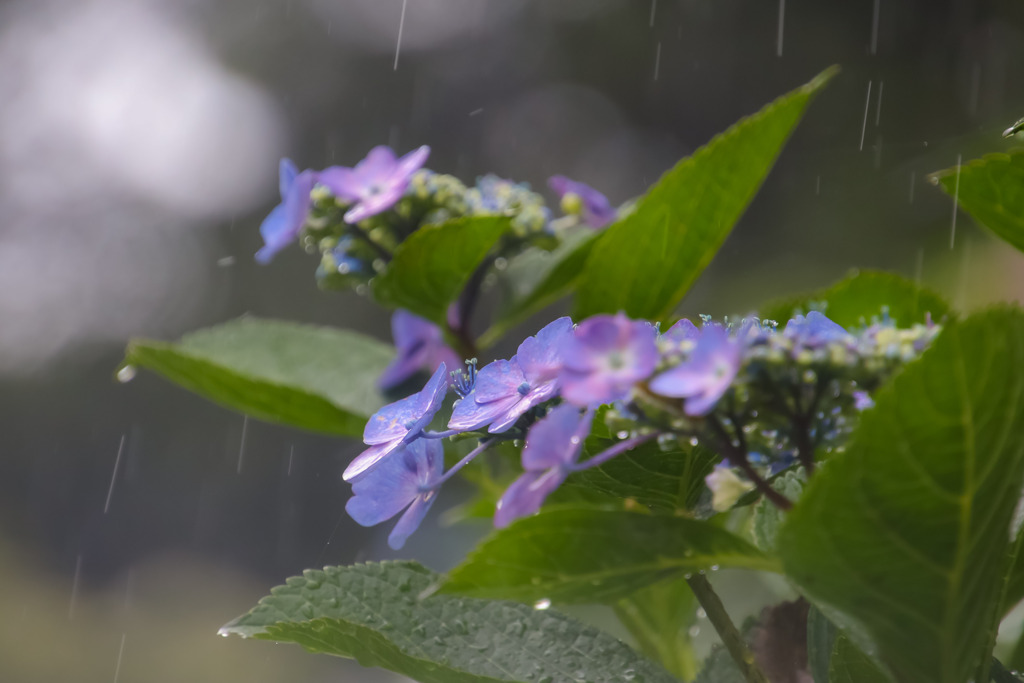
(622, 434)
(501, 263)
(694, 631)
(715, 567)
(694, 441)
(574, 440)
(542, 604)
(126, 374)
(701, 614)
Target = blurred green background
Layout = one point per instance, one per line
(139, 142)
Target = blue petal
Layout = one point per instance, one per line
(286, 176)
(499, 380)
(274, 230)
(411, 520)
(549, 442)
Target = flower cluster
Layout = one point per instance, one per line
(764, 399)
(356, 217)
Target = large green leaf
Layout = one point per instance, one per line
(646, 262)
(664, 481)
(315, 378)
(539, 279)
(430, 269)
(862, 296)
(849, 665)
(373, 613)
(659, 617)
(907, 532)
(991, 189)
(589, 555)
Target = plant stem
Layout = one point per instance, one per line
(731, 637)
(738, 457)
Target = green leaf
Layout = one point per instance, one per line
(907, 532)
(372, 613)
(849, 665)
(991, 189)
(541, 278)
(659, 617)
(719, 667)
(314, 378)
(821, 638)
(645, 262)
(861, 296)
(1014, 581)
(767, 517)
(430, 269)
(588, 555)
(663, 481)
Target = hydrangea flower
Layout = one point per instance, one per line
(605, 357)
(376, 183)
(814, 330)
(420, 345)
(552, 447)
(408, 479)
(580, 198)
(283, 223)
(706, 375)
(399, 423)
(505, 389)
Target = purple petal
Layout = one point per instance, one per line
(378, 165)
(286, 176)
(275, 232)
(362, 463)
(342, 182)
(402, 368)
(556, 439)
(499, 380)
(377, 202)
(526, 495)
(597, 211)
(411, 520)
(412, 162)
(540, 356)
(815, 329)
(679, 382)
(593, 389)
(297, 201)
(469, 415)
(409, 330)
(388, 488)
(682, 331)
(410, 414)
(534, 397)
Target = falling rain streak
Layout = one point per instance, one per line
(654, 8)
(291, 459)
(113, 477)
(864, 126)
(782, 24)
(874, 27)
(401, 27)
(913, 182)
(657, 60)
(120, 656)
(241, 443)
(956, 201)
